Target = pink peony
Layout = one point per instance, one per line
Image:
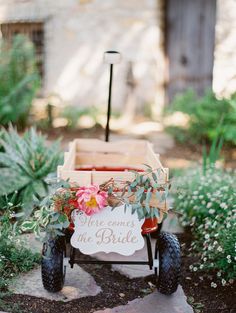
(91, 200)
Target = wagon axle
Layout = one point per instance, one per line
(150, 261)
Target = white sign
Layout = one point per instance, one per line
(107, 231)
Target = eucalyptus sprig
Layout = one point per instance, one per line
(138, 193)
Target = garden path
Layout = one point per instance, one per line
(79, 283)
(155, 303)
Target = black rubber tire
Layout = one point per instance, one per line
(169, 263)
(52, 269)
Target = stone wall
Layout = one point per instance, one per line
(77, 32)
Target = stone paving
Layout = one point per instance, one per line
(130, 271)
(78, 284)
(155, 303)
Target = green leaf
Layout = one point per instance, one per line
(57, 226)
(110, 190)
(11, 181)
(66, 224)
(154, 176)
(148, 198)
(139, 192)
(155, 185)
(147, 165)
(6, 162)
(62, 218)
(54, 217)
(19, 214)
(133, 184)
(156, 212)
(28, 225)
(39, 188)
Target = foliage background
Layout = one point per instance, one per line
(19, 80)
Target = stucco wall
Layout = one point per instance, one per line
(224, 73)
(77, 32)
(76, 35)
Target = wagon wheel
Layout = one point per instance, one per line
(53, 269)
(167, 250)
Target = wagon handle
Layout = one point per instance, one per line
(110, 57)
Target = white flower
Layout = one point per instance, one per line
(229, 261)
(204, 259)
(219, 274)
(223, 205)
(228, 257)
(207, 236)
(211, 211)
(219, 249)
(214, 224)
(223, 282)
(213, 285)
(209, 204)
(191, 267)
(195, 269)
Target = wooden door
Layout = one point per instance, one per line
(190, 37)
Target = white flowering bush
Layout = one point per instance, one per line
(208, 205)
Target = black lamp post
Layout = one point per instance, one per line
(110, 57)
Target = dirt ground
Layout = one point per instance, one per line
(118, 290)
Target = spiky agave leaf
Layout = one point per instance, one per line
(11, 181)
(25, 164)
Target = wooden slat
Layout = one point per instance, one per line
(111, 159)
(78, 177)
(124, 146)
(69, 157)
(101, 177)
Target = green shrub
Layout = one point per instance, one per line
(14, 257)
(208, 204)
(19, 80)
(25, 165)
(205, 114)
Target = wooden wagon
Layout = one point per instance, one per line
(92, 162)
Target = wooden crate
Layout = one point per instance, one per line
(96, 153)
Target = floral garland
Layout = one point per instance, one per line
(143, 195)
